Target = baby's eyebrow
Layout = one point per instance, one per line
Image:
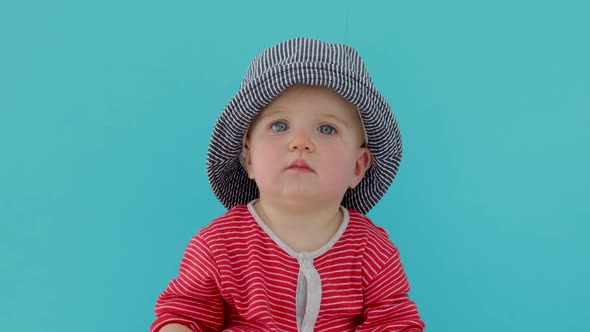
(269, 112)
(337, 119)
(273, 111)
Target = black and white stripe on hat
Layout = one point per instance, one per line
(312, 62)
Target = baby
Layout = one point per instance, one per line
(299, 155)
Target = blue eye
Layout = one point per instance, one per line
(327, 129)
(279, 126)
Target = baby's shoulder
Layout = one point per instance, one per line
(361, 226)
(374, 240)
(236, 221)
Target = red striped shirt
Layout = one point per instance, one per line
(234, 277)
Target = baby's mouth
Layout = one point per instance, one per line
(300, 165)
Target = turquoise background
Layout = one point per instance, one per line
(106, 109)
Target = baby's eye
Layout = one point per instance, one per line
(327, 129)
(279, 126)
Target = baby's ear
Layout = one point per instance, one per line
(362, 164)
(246, 161)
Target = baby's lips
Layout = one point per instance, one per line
(300, 164)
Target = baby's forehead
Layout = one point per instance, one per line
(308, 106)
(311, 97)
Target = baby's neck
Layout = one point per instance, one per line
(303, 229)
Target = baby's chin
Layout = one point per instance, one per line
(303, 197)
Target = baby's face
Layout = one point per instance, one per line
(307, 145)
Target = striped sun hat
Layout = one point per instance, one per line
(312, 62)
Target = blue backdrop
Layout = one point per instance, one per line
(106, 109)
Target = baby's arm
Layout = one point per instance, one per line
(192, 301)
(387, 304)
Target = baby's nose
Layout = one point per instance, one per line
(301, 141)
